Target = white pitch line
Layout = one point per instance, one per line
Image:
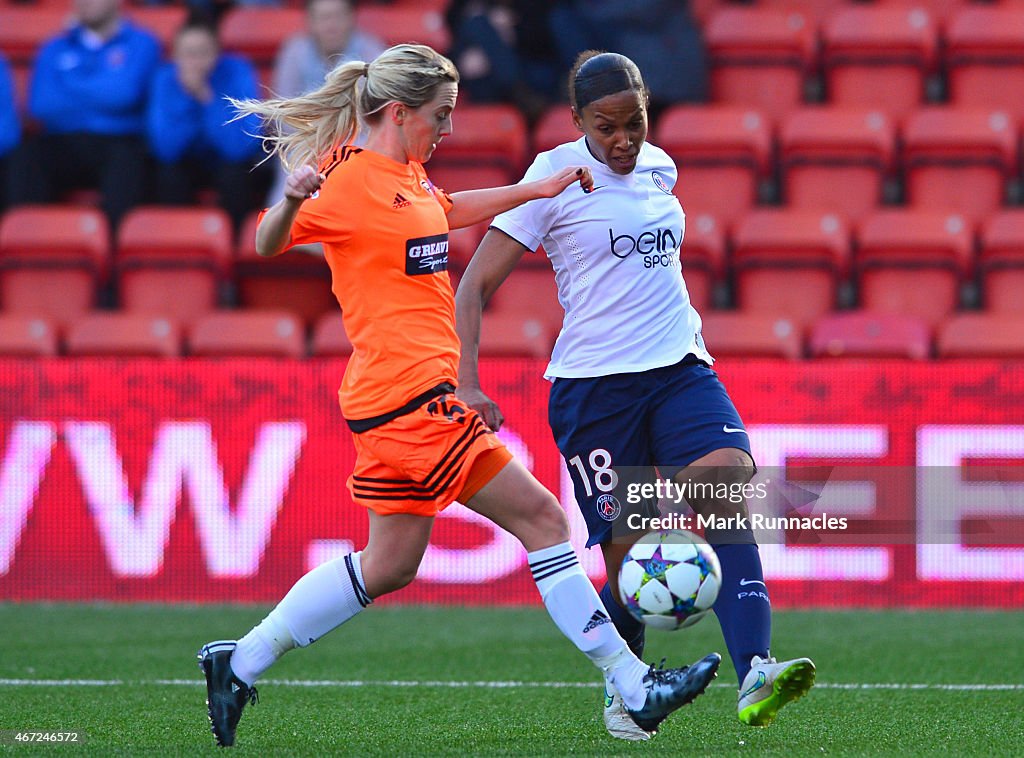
(480, 684)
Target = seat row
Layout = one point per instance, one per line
(177, 262)
(899, 261)
(877, 55)
(280, 334)
(271, 333)
(256, 31)
(843, 334)
(829, 158)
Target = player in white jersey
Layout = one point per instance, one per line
(632, 384)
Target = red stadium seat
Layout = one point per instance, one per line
(329, 336)
(275, 334)
(747, 335)
(462, 245)
(554, 128)
(294, 281)
(815, 11)
(52, 259)
(259, 32)
(27, 337)
(172, 261)
(912, 262)
(123, 334)
(982, 335)
(703, 258)
(514, 334)
(163, 20)
(759, 58)
(958, 160)
(23, 28)
(405, 23)
(836, 159)
(1001, 262)
(456, 178)
(493, 135)
(721, 152)
(879, 57)
(940, 10)
(985, 57)
(789, 262)
(870, 335)
(530, 290)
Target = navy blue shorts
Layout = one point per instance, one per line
(665, 418)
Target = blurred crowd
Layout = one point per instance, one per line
(106, 111)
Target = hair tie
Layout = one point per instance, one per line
(366, 70)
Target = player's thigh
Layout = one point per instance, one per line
(514, 500)
(600, 427)
(693, 417)
(725, 470)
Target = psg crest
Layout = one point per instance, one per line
(661, 182)
(608, 507)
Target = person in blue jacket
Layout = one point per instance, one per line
(189, 123)
(88, 94)
(10, 127)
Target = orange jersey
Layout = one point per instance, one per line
(385, 236)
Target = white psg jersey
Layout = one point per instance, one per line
(615, 253)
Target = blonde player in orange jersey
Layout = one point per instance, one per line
(383, 227)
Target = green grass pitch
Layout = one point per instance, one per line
(421, 681)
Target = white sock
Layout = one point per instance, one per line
(320, 601)
(577, 611)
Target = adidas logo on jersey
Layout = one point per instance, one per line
(399, 201)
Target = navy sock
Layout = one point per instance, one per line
(631, 630)
(743, 609)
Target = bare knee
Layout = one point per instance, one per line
(719, 471)
(543, 524)
(387, 574)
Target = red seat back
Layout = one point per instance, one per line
(275, 334)
(879, 56)
(865, 334)
(729, 334)
(759, 57)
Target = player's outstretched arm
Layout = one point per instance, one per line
(494, 259)
(472, 206)
(275, 229)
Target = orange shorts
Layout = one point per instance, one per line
(423, 461)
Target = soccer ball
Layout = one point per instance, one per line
(670, 579)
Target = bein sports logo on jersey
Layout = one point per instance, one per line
(426, 255)
(658, 247)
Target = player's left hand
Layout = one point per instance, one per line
(558, 181)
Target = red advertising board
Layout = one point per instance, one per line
(224, 480)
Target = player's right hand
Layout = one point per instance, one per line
(475, 398)
(302, 183)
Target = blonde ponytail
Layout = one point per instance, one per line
(305, 130)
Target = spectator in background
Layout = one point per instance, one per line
(190, 129)
(505, 52)
(332, 38)
(660, 36)
(10, 127)
(88, 92)
(304, 60)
